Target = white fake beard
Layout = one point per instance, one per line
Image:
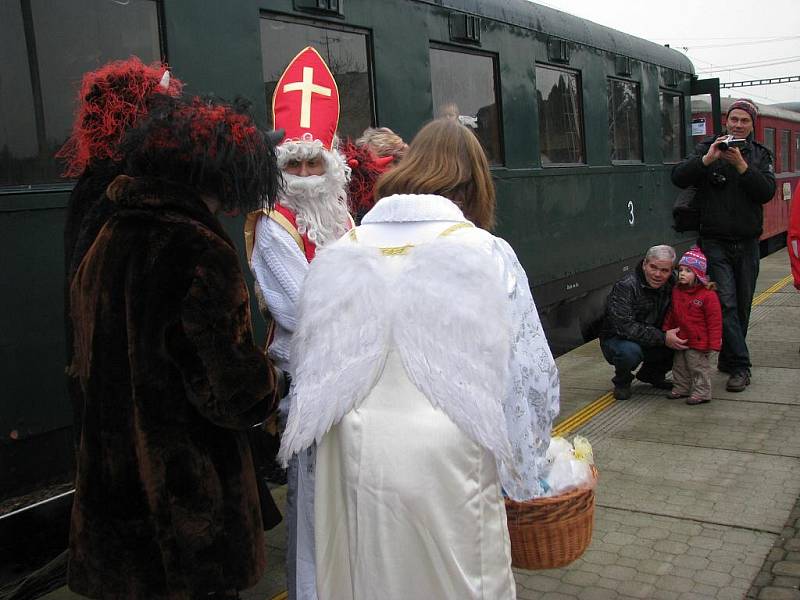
(320, 204)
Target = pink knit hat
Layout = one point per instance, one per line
(696, 261)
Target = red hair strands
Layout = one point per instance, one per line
(112, 99)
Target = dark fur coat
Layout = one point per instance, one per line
(166, 504)
(87, 211)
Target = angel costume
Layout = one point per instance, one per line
(432, 388)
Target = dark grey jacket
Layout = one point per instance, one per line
(730, 204)
(635, 311)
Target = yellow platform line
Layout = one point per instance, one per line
(584, 415)
(281, 596)
(771, 290)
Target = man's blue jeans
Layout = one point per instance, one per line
(626, 355)
(733, 266)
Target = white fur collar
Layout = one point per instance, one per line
(413, 207)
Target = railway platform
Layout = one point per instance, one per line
(693, 502)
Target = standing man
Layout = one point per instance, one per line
(166, 504)
(631, 333)
(733, 183)
(311, 212)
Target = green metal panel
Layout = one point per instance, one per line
(31, 304)
(215, 48)
(580, 219)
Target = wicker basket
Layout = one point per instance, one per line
(547, 533)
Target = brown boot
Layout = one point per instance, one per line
(738, 382)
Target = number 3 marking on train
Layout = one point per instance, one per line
(631, 218)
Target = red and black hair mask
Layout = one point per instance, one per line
(208, 145)
(111, 100)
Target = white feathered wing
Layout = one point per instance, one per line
(452, 329)
(446, 311)
(340, 344)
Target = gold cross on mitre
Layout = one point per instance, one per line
(307, 87)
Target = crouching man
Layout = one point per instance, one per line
(631, 334)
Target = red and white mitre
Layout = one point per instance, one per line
(305, 103)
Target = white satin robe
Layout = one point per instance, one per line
(407, 506)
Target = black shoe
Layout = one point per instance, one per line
(738, 382)
(661, 384)
(622, 392)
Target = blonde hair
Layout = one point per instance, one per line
(383, 142)
(445, 158)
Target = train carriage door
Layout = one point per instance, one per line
(706, 109)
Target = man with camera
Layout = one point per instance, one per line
(734, 178)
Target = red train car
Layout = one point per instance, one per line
(779, 130)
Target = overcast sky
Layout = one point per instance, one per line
(729, 36)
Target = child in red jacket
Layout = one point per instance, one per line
(696, 311)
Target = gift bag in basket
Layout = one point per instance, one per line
(551, 532)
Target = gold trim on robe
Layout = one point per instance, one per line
(250, 230)
(400, 250)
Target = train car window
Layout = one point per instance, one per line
(46, 48)
(672, 136)
(560, 116)
(797, 152)
(769, 140)
(344, 50)
(464, 87)
(624, 120)
(784, 150)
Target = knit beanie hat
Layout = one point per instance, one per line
(696, 261)
(746, 105)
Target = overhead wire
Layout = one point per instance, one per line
(749, 92)
(754, 64)
(739, 43)
(735, 44)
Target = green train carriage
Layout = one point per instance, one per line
(581, 124)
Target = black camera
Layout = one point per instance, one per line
(731, 142)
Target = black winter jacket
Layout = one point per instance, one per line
(635, 311)
(730, 204)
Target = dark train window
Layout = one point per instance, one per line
(797, 152)
(785, 150)
(46, 48)
(560, 116)
(624, 120)
(345, 52)
(769, 141)
(464, 87)
(672, 134)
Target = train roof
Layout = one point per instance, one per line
(764, 110)
(795, 106)
(536, 17)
